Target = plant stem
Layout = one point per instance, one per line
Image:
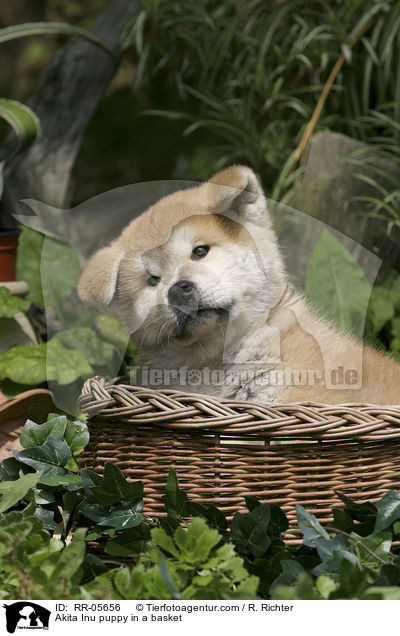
(358, 542)
(301, 148)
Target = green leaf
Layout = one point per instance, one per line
(50, 267)
(111, 330)
(76, 436)
(44, 362)
(29, 254)
(13, 491)
(249, 531)
(310, 527)
(336, 284)
(36, 434)
(291, 571)
(388, 510)
(381, 308)
(129, 542)
(49, 458)
(11, 305)
(24, 365)
(85, 340)
(175, 499)
(64, 365)
(60, 270)
(325, 586)
(379, 543)
(22, 119)
(127, 515)
(51, 28)
(115, 487)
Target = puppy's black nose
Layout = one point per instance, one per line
(181, 293)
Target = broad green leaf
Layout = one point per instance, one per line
(64, 365)
(49, 458)
(24, 365)
(388, 510)
(51, 28)
(175, 499)
(325, 586)
(195, 542)
(310, 527)
(291, 571)
(115, 487)
(47, 519)
(85, 340)
(36, 434)
(13, 491)
(111, 330)
(49, 361)
(11, 305)
(214, 516)
(59, 270)
(62, 480)
(49, 266)
(379, 543)
(71, 558)
(127, 515)
(29, 253)
(130, 542)
(250, 531)
(92, 567)
(336, 284)
(76, 436)
(22, 119)
(381, 308)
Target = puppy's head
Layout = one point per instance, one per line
(192, 262)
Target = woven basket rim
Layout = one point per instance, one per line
(115, 399)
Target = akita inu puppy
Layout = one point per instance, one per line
(199, 282)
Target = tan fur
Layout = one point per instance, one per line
(260, 324)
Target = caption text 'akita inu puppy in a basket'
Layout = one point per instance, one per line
(199, 282)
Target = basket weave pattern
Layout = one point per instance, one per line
(224, 450)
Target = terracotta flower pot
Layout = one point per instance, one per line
(8, 254)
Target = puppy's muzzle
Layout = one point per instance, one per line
(183, 297)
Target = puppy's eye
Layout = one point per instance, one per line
(200, 252)
(153, 281)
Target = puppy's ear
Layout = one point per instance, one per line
(237, 192)
(98, 280)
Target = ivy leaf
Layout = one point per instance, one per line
(129, 542)
(49, 458)
(291, 571)
(175, 499)
(92, 566)
(36, 434)
(127, 515)
(379, 543)
(13, 491)
(11, 305)
(115, 488)
(76, 436)
(310, 527)
(388, 510)
(249, 531)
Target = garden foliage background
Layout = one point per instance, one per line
(308, 95)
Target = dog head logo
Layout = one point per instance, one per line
(26, 615)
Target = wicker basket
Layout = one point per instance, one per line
(223, 450)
